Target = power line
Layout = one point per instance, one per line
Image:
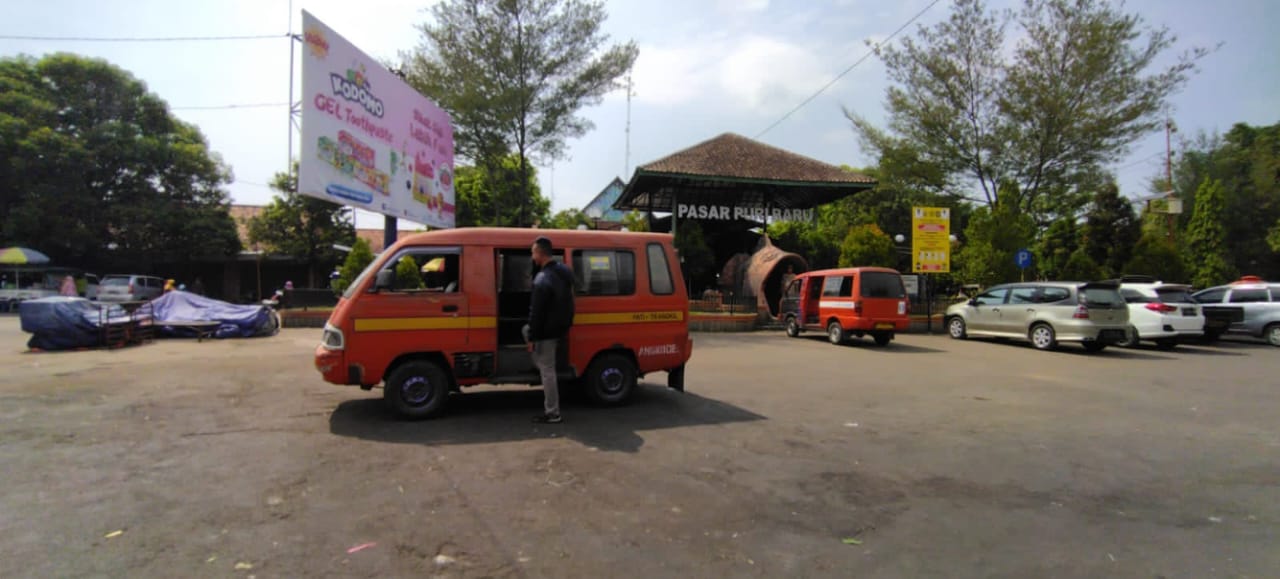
(143, 38)
(847, 70)
(231, 106)
(1141, 161)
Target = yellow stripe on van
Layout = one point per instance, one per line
(628, 318)
(431, 323)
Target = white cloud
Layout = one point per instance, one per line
(742, 5)
(766, 73)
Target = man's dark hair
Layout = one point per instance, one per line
(543, 244)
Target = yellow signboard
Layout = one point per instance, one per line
(930, 239)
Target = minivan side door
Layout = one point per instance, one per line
(984, 312)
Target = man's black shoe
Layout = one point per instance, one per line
(547, 419)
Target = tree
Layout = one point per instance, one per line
(1081, 267)
(302, 226)
(1080, 85)
(360, 256)
(696, 256)
(992, 237)
(1056, 246)
(1206, 238)
(867, 245)
(487, 195)
(635, 221)
(1246, 161)
(95, 171)
(1156, 256)
(568, 219)
(514, 74)
(1111, 229)
(407, 274)
(1273, 237)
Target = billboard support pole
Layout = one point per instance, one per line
(388, 231)
(289, 161)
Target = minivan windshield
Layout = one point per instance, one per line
(879, 284)
(351, 289)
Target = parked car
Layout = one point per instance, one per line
(1046, 313)
(1258, 301)
(1163, 313)
(129, 288)
(859, 301)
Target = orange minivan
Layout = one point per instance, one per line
(859, 301)
(442, 310)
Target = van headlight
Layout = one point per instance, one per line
(332, 338)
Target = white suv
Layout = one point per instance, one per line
(1164, 313)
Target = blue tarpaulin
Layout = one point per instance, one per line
(235, 321)
(61, 323)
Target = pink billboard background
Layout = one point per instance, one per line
(368, 139)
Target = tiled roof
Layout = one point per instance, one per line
(735, 156)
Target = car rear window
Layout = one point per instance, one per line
(1102, 297)
(115, 281)
(879, 284)
(1136, 297)
(1213, 296)
(1174, 296)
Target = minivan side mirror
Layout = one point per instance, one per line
(973, 302)
(384, 279)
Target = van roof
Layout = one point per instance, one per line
(511, 236)
(849, 270)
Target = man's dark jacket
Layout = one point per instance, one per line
(551, 307)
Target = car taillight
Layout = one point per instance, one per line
(1161, 308)
(902, 308)
(1082, 312)
(857, 308)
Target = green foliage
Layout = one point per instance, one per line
(489, 195)
(635, 221)
(1056, 246)
(514, 74)
(1082, 83)
(1273, 237)
(95, 171)
(697, 257)
(302, 226)
(360, 256)
(1081, 267)
(993, 236)
(1246, 161)
(867, 245)
(568, 219)
(407, 274)
(1111, 229)
(1156, 256)
(1207, 248)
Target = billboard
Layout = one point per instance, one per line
(368, 139)
(930, 239)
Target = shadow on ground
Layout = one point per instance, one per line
(895, 347)
(498, 416)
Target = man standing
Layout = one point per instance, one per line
(550, 317)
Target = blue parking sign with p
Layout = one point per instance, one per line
(1022, 259)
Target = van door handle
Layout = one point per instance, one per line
(450, 308)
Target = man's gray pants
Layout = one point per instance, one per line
(544, 357)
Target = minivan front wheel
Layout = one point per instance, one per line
(417, 389)
(1043, 337)
(956, 328)
(835, 333)
(793, 327)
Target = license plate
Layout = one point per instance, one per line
(884, 326)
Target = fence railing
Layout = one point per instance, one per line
(724, 304)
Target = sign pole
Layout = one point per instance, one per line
(928, 305)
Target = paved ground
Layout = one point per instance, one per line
(943, 458)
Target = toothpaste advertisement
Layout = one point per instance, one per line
(368, 139)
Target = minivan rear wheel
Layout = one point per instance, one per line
(835, 333)
(883, 338)
(1043, 337)
(1131, 338)
(610, 379)
(1272, 334)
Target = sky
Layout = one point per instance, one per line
(705, 67)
